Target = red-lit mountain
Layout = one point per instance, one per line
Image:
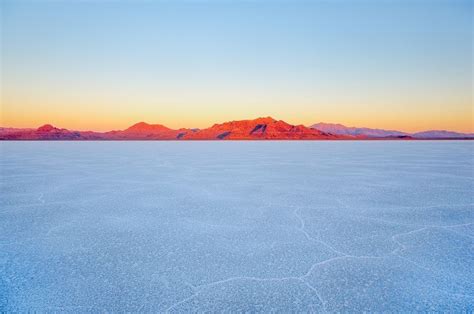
(145, 131)
(257, 129)
(47, 132)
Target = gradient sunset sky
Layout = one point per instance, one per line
(102, 65)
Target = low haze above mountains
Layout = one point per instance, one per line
(256, 129)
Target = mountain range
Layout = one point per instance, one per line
(339, 129)
(256, 129)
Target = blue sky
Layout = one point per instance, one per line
(107, 64)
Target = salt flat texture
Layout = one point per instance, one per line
(237, 226)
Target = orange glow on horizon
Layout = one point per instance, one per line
(86, 121)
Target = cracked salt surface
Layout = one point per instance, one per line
(237, 226)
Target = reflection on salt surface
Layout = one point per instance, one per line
(237, 226)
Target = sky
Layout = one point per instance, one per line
(106, 64)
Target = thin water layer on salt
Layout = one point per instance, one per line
(236, 226)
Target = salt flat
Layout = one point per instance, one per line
(237, 226)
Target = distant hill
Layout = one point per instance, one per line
(340, 129)
(12, 130)
(256, 129)
(259, 129)
(145, 127)
(442, 134)
(145, 131)
(47, 132)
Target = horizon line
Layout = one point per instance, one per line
(234, 120)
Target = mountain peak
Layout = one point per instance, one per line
(140, 124)
(264, 120)
(46, 128)
(145, 127)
